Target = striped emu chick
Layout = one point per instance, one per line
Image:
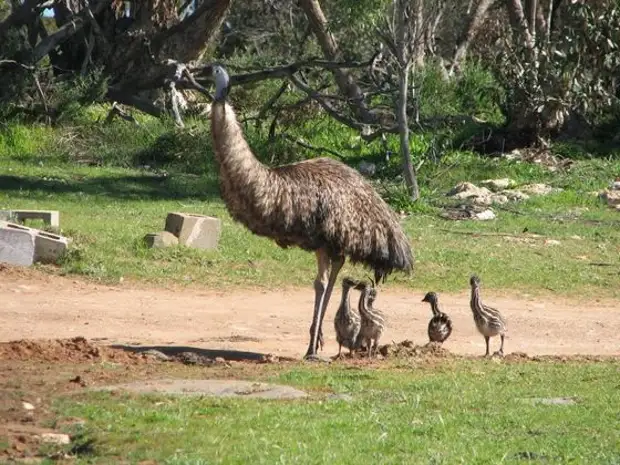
(373, 320)
(347, 322)
(440, 326)
(489, 321)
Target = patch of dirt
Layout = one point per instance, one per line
(23, 440)
(408, 349)
(76, 349)
(37, 305)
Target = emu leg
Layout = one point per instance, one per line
(501, 347)
(336, 266)
(320, 286)
(486, 339)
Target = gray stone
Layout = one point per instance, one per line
(466, 190)
(48, 247)
(367, 169)
(211, 387)
(555, 401)
(157, 355)
(199, 231)
(161, 239)
(16, 244)
(611, 197)
(485, 215)
(514, 195)
(539, 189)
(55, 438)
(497, 184)
(499, 199)
(27, 406)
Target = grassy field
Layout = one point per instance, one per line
(452, 411)
(107, 210)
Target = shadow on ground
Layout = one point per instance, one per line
(127, 187)
(175, 351)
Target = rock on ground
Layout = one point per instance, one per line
(611, 197)
(161, 239)
(498, 184)
(539, 189)
(211, 387)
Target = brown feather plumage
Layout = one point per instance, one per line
(314, 204)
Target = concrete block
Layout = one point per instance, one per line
(7, 215)
(49, 217)
(48, 247)
(16, 244)
(161, 239)
(199, 231)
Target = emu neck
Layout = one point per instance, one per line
(475, 298)
(232, 152)
(345, 297)
(435, 308)
(363, 304)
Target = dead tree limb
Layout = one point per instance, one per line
(65, 32)
(469, 32)
(19, 16)
(314, 148)
(329, 46)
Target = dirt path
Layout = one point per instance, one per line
(34, 305)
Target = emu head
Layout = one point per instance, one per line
(348, 283)
(430, 297)
(222, 82)
(474, 281)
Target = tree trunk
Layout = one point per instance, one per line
(411, 178)
(406, 36)
(469, 32)
(329, 46)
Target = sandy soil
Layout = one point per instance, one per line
(36, 305)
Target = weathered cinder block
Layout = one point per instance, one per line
(199, 231)
(6, 215)
(49, 217)
(16, 244)
(48, 248)
(161, 239)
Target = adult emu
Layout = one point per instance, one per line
(320, 205)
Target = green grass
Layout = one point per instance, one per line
(108, 209)
(472, 412)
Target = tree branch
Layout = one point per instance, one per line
(19, 16)
(66, 31)
(141, 104)
(469, 32)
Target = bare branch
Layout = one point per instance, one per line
(469, 32)
(318, 149)
(17, 63)
(66, 31)
(329, 46)
(19, 16)
(284, 71)
(141, 104)
(116, 111)
(325, 105)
